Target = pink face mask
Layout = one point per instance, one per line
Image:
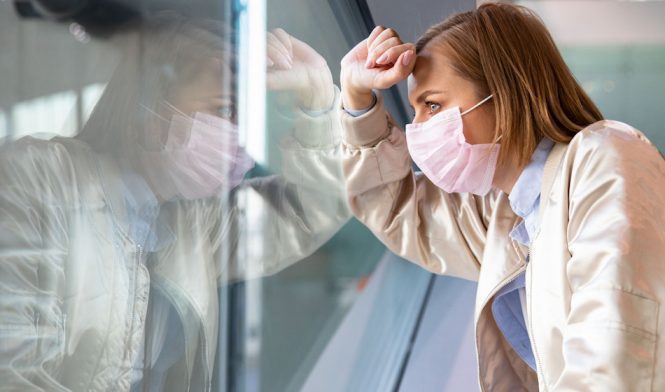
(440, 150)
(201, 156)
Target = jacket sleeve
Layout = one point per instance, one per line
(288, 216)
(616, 238)
(33, 249)
(444, 233)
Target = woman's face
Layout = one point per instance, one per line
(208, 92)
(204, 91)
(434, 86)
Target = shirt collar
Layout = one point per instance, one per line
(526, 191)
(146, 227)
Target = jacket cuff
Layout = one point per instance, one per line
(315, 130)
(367, 129)
(360, 112)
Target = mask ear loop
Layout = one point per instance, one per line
(478, 104)
(475, 106)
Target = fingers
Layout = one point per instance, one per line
(388, 51)
(375, 33)
(302, 52)
(390, 55)
(399, 71)
(384, 35)
(276, 57)
(279, 53)
(284, 38)
(384, 40)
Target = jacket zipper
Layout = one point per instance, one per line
(496, 289)
(139, 255)
(530, 332)
(146, 334)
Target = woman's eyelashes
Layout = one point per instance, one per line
(428, 108)
(226, 111)
(432, 107)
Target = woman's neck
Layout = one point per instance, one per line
(506, 176)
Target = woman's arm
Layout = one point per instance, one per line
(287, 217)
(616, 273)
(444, 233)
(33, 250)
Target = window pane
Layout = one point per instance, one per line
(173, 213)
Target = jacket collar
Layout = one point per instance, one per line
(550, 171)
(503, 258)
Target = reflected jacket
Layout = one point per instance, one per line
(595, 281)
(74, 287)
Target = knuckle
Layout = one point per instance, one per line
(392, 42)
(393, 32)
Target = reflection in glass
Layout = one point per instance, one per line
(116, 242)
(41, 114)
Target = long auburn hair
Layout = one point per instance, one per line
(505, 50)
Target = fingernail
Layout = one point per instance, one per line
(382, 59)
(406, 59)
(269, 62)
(368, 64)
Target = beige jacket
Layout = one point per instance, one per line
(596, 277)
(74, 286)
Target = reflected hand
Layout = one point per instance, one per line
(379, 62)
(294, 66)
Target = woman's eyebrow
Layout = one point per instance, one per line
(425, 93)
(422, 96)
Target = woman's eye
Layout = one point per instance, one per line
(227, 112)
(432, 107)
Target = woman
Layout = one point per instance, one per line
(558, 214)
(114, 243)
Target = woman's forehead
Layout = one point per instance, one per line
(433, 71)
(430, 71)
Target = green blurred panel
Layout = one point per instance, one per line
(626, 82)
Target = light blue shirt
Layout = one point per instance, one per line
(148, 230)
(508, 308)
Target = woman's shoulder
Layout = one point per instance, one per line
(606, 133)
(615, 150)
(613, 140)
(55, 166)
(32, 150)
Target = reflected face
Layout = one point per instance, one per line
(208, 92)
(205, 88)
(435, 86)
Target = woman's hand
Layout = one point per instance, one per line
(379, 62)
(293, 66)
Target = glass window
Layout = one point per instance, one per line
(172, 212)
